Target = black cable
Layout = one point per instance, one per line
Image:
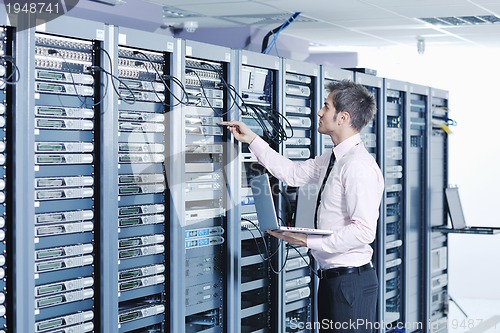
(236, 98)
(105, 88)
(16, 71)
(265, 118)
(269, 256)
(138, 63)
(162, 80)
(458, 306)
(311, 268)
(259, 118)
(204, 92)
(117, 91)
(183, 89)
(84, 101)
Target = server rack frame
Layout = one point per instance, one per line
(6, 207)
(176, 125)
(108, 268)
(402, 88)
(144, 41)
(23, 253)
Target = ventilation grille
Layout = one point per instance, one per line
(462, 20)
(175, 13)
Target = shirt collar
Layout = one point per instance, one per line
(342, 148)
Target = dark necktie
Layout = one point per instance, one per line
(328, 170)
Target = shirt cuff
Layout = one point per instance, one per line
(315, 242)
(257, 144)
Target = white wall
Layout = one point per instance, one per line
(472, 76)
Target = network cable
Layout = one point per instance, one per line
(230, 88)
(268, 256)
(83, 102)
(161, 77)
(277, 132)
(114, 77)
(267, 48)
(203, 91)
(15, 75)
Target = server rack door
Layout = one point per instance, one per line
(416, 167)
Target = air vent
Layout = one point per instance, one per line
(461, 20)
(175, 13)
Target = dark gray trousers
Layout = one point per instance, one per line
(348, 303)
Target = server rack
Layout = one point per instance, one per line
(415, 215)
(437, 244)
(258, 77)
(8, 77)
(392, 251)
(300, 106)
(22, 255)
(200, 215)
(58, 96)
(145, 71)
(330, 74)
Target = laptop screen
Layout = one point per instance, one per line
(455, 208)
(264, 203)
(306, 205)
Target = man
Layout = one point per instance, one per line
(348, 203)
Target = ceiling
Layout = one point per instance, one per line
(326, 24)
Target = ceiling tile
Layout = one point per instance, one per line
(374, 23)
(332, 10)
(439, 10)
(231, 8)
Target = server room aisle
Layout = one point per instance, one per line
(483, 316)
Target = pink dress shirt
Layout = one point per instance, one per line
(349, 203)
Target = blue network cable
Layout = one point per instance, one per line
(267, 48)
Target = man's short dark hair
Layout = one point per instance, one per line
(354, 99)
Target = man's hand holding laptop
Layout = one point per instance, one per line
(294, 238)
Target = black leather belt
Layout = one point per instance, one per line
(336, 272)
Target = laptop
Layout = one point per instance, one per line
(266, 213)
(305, 206)
(458, 219)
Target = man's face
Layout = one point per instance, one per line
(328, 117)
